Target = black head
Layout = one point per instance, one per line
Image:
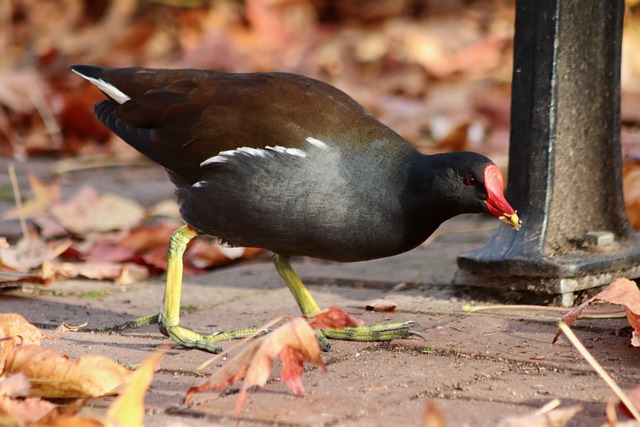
(467, 182)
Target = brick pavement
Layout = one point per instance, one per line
(477, 368)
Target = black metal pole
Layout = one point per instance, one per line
(565, 159)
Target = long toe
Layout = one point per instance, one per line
(190, 339)
(378, 332)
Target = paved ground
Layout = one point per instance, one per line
(477, 368)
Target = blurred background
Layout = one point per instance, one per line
(438, 72)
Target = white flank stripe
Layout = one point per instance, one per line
(292, 151)
(112, 91)
(317, 143)
(224, 156)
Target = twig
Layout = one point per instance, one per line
(599, 369)
(44, 110)
(258, 331)
(587, 314)
(549, 406)
(18, 199)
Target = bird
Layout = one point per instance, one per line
(290, 164)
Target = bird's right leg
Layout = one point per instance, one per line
(309, 307)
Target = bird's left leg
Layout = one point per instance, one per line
(308, 306)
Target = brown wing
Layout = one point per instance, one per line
(180, 118)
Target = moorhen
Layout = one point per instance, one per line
(290, 164)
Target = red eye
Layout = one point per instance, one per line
(469, 181)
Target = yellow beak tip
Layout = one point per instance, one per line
(511, 220)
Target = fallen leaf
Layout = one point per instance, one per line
(18, 328)
(20, 411)
(557, 417)
(122, 273)
(333, 318)
(88, 211)
(27, 254)
(101, 251)
(433, 417)
(15, 386)
(294, 342)
(634, 397)
(43, 196)
(621, 291)
(30, 253)
(60, 330)
(128, 409)
(54, 375)
(631, 187)
(145, 238)
(205, 253)
(380, 305)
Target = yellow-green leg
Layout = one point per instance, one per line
(308, 306)
(169, 317)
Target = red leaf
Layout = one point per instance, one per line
(292, 362)
(295, 342)
(334, 318)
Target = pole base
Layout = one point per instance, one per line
(559, 280)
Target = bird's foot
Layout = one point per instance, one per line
(190, 339)
(183, 336)
(369, 333)
(140, 322)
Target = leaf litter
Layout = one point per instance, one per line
(97, 236)
(408, 56)
(31, 374)
(293, 343)
(622, 292)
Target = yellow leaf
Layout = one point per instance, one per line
(16, 330)
(128, 409)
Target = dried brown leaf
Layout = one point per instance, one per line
(42, 196)
(15, 386)
(145, 238)
(29, 410)
(15, 330)
(433, 417)
(122, 273)
(27, 254)
(17, 327)
(205, 253)
(571, 316)
(88, 211)
(380, 305)
(634, 397)
(621, 291)
(558, 417)
(60, 330)
(631, 186)
(30, 253)
(54, 375)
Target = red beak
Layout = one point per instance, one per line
(496, 203)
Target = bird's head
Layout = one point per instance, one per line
(474, 184)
